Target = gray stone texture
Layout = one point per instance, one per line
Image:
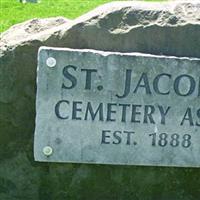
(169, 28)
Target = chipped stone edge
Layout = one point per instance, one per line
(107, 53)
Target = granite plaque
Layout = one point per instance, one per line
(117, 108)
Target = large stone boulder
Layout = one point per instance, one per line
(158, 28)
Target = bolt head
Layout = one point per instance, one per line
(51, 62)
(47, 151)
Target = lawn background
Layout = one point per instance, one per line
(13, 12)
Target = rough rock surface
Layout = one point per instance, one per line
(168, 28)
(25, 30)
(157, 28)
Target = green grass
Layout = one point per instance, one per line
(13, 12)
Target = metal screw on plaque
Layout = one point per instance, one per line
(51, 62)
(47, 151)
